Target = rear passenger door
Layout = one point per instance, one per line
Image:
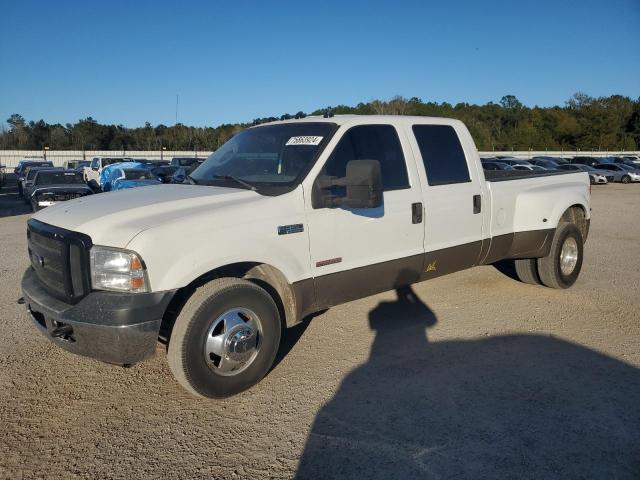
(358, 252)
(453, 197)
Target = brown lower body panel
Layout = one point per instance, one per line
(341, 287)
(531, 244)
(332, 289)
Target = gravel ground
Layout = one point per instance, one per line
(474, 376)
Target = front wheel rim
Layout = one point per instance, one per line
(233, 341)
(568, 256)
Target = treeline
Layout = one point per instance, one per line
(584, 123)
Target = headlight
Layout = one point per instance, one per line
(117, 269)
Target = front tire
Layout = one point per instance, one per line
(560, 269)
(626, 179)
(225, 338)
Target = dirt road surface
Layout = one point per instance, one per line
(474, 376)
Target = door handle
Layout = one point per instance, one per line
(477, 204)
(416, 212)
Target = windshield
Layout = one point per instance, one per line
(138, 175)
(270, 156)
(57, 178)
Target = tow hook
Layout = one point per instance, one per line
(62, 331)
(20, 301)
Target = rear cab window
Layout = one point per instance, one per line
(442, 155)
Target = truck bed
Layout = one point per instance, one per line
(506, 175)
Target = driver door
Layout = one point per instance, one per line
(359, 252)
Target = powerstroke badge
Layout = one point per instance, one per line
(307, 140)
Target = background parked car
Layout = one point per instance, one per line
(29, 176)
(626, 161)
(515, 161)
(595, 176)
(163, 173)
(21, 168)
(53, 185)
(496, 166)
(73, 164)
(529, 167)
(545, 163)
(185, 161)
(619, 173)
(630, 168)
(93, 171)
(181, 174)
(591, 161)
(557, 160)
(633, 158)
(76, 164)
(2, 175)
(127, 175)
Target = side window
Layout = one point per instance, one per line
(94, 163)
(371, 142)
(442, 154)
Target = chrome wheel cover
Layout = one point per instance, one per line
(568, 256)
(233, 341)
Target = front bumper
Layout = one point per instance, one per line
(112, 327)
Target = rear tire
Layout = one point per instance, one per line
(212, 319)
(527, 270)
(626, 179)
(560, 269)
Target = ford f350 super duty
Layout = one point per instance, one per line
(284, 220)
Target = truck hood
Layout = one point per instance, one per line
(114, 218)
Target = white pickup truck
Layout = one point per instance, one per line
(93, 171)
(287, 219)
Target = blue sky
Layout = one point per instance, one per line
(125, 61)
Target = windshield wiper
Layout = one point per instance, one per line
(237, 180)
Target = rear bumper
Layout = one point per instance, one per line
(120, 328)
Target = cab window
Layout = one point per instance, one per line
(371, 142)
(442, 154)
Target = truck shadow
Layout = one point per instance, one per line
(515, 406)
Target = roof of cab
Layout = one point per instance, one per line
(365, 119)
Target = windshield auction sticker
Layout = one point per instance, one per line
(308, 140)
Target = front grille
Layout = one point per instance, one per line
(60, 259)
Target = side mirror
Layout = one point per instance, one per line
(363, 183)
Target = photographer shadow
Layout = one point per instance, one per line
(516, 406)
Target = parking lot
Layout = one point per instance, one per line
(481, 377)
